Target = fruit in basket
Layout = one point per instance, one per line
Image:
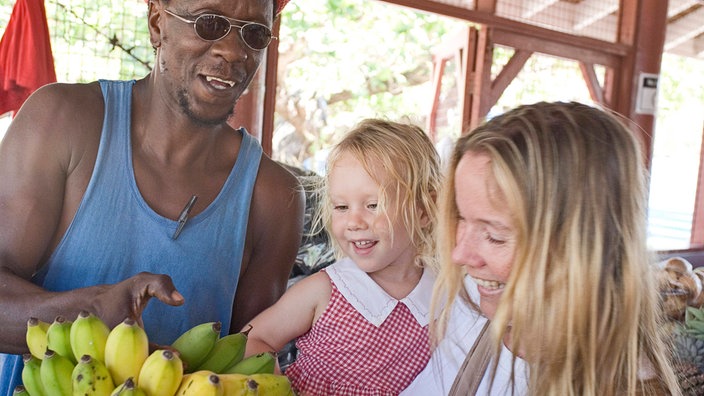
(228, 351)
(88, 336)
(126, 349)
(689, 338)
(35, 336)
(161, 373)
(91, 377)
(58, 338)
(195, 344)
(271, 385)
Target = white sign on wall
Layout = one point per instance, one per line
(647, 95)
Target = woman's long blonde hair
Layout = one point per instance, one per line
(581, 300)
(401, 158)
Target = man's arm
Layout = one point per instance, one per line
(46, 159)
(273, 239)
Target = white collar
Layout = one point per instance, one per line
(370, 300)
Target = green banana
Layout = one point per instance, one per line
(88, 336)
(126, 349)
(200, 383)
(58, 338)
(36, 337)
(195, 344)
(161, 373)
(55, 373)
(128, 388)
(31, 378)
(271, 384)
(90, 377)
(264, 363)
(228, 351)
(20, 390)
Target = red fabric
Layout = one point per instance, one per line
(344, 354)
(26, 61)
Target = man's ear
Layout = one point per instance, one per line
(153, 19)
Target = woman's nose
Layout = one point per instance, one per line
(464, 252)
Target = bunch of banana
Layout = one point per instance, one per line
(85, 357)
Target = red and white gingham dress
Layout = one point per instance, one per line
(346, 354)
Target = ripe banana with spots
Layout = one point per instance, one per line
(271, 384)
(262, 363)
(233, 384)
(58, 338)
(90, 377)
(161, 373)
(200, 383)
(31, 379)
(55, 372)
(228, 351)
(88, 336)
(195, 344)
(36, 337)
(126, 349)
(128, 388)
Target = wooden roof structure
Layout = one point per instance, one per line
(625, 37)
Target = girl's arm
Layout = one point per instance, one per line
(293, 315)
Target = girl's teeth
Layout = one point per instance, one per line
(489, 284)
(362, 243)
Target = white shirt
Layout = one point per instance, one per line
(462, 330)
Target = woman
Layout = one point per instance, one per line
(543, 234)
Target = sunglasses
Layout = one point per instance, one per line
(211, 27)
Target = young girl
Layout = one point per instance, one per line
(361, 324)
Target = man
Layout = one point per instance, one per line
(94, 179)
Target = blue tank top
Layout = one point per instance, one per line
(115, 234)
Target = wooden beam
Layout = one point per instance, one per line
(528, 30)
(595, 90)
(697, 236)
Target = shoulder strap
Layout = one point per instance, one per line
(474, 366)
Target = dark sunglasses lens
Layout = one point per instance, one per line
(212, 27)
(256, 36)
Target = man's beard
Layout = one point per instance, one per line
(206, 122)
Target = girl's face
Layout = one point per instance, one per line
(359, 226)
(485, 241)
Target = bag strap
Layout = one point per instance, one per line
(474, 366)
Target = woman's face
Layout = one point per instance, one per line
(486, 236)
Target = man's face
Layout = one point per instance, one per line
(204, 71)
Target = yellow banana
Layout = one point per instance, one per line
(31, 379)
(200, 383)
(126, 349)
(88, 336)
(262, 363)
(272, 384)
(128, 388)
(90, 377)
(55, 372)
(195, 344)
(228, 351)
(36, 337)
(20, 390)
(58, 338)
(161, 373)
(233, 384)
